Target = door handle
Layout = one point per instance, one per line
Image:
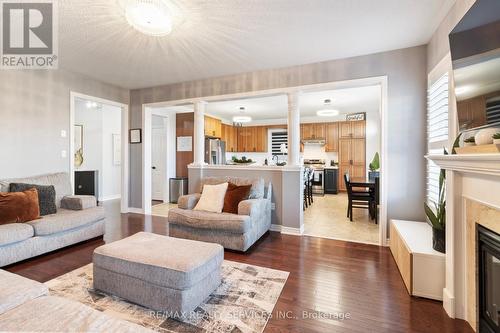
(154, 168)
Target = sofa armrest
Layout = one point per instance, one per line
(253, 207)
(188, 201)
(78, 202)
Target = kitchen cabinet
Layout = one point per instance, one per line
(312, 131)
(213, 127)
(472, 112)
(252, 139)
(352, 129)
(332, 137)
(331, 177)
(229, 134)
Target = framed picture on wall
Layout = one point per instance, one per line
(135, 135)
(117, 149)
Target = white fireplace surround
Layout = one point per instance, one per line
(475, 177)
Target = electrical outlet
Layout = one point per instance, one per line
(273, 206)
(64, 153)
(64, 134)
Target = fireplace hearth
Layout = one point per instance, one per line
(488, 280)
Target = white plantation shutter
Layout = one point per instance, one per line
(277, 139)
(437, 131)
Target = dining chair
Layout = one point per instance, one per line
(357, 199)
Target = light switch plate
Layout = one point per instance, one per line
(64, 134)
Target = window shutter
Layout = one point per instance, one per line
(278, 138)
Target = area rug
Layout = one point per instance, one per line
(242, 303)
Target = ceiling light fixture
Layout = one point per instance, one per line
(327, 111)
(242, 118)
(151, 17)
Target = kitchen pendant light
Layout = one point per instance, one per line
(242, 118)
(151, 17)
(327, 111)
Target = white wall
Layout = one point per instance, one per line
(99, 125)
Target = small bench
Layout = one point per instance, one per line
(159, 272)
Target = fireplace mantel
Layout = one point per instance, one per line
(488, 164)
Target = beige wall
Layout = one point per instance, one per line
(406, 72)
(439, 45)
(34, 108)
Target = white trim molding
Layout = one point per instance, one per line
(287, 230)
(488, 164)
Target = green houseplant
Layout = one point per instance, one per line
(437, 217)
(470, 141)
(374, 168)
(496, 138)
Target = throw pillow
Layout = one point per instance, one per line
(212, 198)
(234, 195)
(19, 206)
(46, 196)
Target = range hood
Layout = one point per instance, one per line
(320, 142)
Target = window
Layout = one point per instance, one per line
(278, 137)
(437, 131)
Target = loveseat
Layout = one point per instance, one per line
(232, 231)
(78, 218)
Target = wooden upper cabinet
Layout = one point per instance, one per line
(261, 139)
(312, 131)
(252, 139)
(352, 129)
(213, 127)
(229, 134)
(472, 111)
(332, 137)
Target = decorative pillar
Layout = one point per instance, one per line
(199, 134)
(293, 129)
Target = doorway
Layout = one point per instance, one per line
(99, 149)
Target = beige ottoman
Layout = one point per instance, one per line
(159, 272)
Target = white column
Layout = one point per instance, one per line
(293, 129)
(199, 134)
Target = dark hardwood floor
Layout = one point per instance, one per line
(327, 279)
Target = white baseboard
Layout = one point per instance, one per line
(135, 210)
(448, 303)
(111, 197)
(287, 230)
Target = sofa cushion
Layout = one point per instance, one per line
(207, 220)
(160, 260)
(256, 192)
(19, 206)
(15, 232)
(17, 290)
(78, 202)
(212, 198)
(234, 195)
(46, 196)
(66, 219)
(56, 314)
(60, 181)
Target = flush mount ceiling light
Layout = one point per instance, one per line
(327, 111)
(151, 17)
(242, 118)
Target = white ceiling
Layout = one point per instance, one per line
(273, 109)
(224, 37)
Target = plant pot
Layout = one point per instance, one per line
(469, 144)
(496, 141)
(439, 240)
(372, 175)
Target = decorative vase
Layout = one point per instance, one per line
(372, 175)
(484, 136)
(439, 240)
(496, 141)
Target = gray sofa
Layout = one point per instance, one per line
(232, 231)
(78, 218)
(26, 306)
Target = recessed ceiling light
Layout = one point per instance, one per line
(327, 111)
(151, 17)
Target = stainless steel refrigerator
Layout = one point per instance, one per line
(215, 151)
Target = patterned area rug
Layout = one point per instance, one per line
(242, 303)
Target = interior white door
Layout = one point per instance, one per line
(158, 172)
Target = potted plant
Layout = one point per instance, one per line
(470, 141)
(374, 167)
(496, 138)
(437, 217)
